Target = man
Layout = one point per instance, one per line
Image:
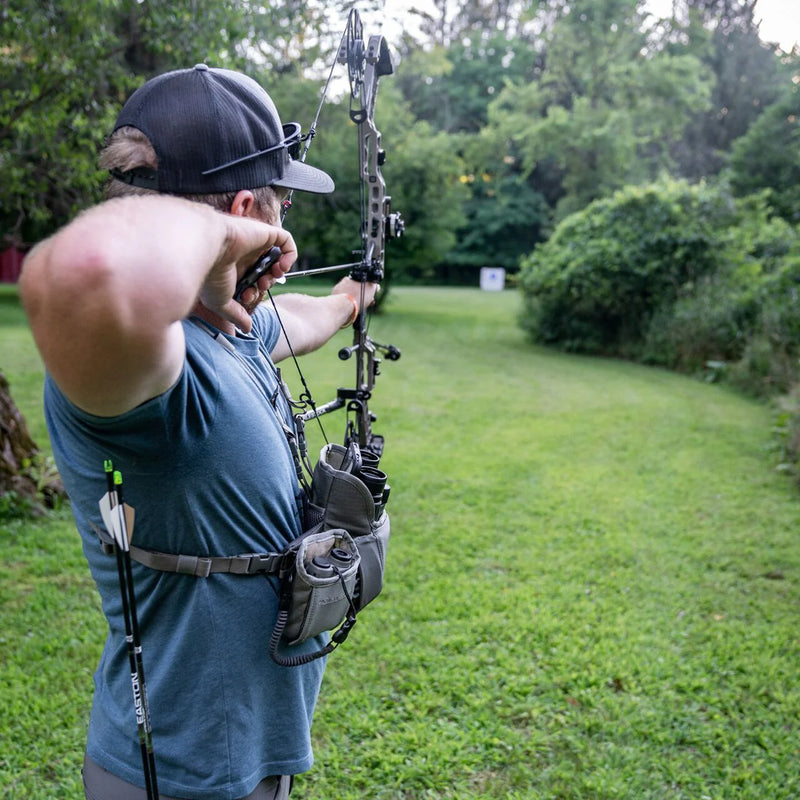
(152, 363)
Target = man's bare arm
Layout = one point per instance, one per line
(311, 321)
(105, 295)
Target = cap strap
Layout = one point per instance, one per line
(143, 177)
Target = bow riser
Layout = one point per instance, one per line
(359, 428)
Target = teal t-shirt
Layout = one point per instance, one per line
(208, 470)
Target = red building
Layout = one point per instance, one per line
(10, 264)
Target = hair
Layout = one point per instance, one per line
(128, 148)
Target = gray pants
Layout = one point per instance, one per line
(99, 784)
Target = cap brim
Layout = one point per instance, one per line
(305, 178)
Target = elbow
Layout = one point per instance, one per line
(28, 280)
(60, 275)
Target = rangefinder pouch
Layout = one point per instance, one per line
(319, 592)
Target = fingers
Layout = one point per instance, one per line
(286, 242)
(255, 264)
(236, 313)
(252, 296)
(248, 239)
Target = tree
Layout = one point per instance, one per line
(768, 157)
(451, 87)
(56, 93)
(747, 76)
(28, 481)
(605, 108)
(447, 23)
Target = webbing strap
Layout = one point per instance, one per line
(203, 566)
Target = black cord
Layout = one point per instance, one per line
(283, 617)
(306, 397)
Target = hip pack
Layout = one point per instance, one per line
(326, 575)
(336, 567)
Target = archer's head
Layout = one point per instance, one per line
(206, 133)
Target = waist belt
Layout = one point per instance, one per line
(203, 566)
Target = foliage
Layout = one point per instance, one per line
(701, 332)
(57, 96)
(596, 283)
(505, 218)
(451, 87)
(604, 109)
(770, 364)
(425, 186)
(595, 598)
(716, 319)
(768, 157)
(787, 431)
(747, 75)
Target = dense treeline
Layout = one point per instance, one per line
(644, 173)
(502, 119)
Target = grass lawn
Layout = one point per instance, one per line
(592, 589)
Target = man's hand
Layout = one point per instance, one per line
(246, 242)
(309, 321)
(362, 293)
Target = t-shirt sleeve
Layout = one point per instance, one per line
(266, 327)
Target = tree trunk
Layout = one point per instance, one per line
(23, 469)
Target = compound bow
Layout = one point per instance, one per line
(366, 63)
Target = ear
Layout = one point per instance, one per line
(243, 204)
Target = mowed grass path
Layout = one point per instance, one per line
(592, 589)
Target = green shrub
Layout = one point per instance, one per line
(718, 318)
(15, 506)
(595, 285)
(768, 156)
(787, 430)
(769, 364)
(709, 327)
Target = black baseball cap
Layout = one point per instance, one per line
(215, 130)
